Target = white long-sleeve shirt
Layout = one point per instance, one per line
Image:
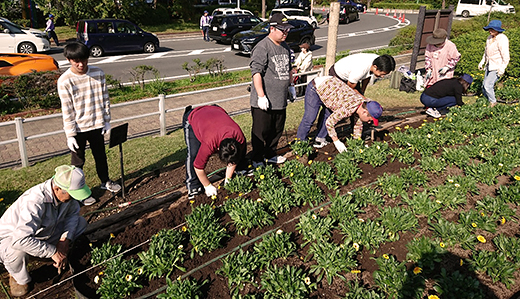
(304, 62)
(496, 55)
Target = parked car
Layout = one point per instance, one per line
(246, 40)
(296, 14)
(14, 64)
(301, 4)
(112, 35)
(359, 6)
(347, 14)
(17, 39)
(468, 8)
(230, 11)
(224, 27)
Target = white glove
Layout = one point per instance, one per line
(428, 75)
(210, 190)
(500, 73)
(340, 146)
(444, 70)
(292, 91)
(106, 128)
(481, 65)
(226, 181)
(72, 144)
(263, 103)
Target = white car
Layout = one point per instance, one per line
(468, 8)
(230, 11)
(17, 39)
(296, 14)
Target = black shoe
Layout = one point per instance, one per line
(194, 192)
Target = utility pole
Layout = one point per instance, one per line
(333, 35)
(263, 9)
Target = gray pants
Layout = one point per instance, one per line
(15, 261)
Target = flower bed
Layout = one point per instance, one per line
(429, 211)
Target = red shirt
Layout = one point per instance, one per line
(211, 125)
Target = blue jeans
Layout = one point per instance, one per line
(205, 30)
(440, 103)
(313, 104)
(488, 86)
(193, 146)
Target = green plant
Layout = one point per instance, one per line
(421, 203)
(357, 291)
(343, 207)
(393, 279)
(206, 233)
(495, 208)
(275, 245)
(239, 184)
(365, 196)
(376, 154)
(295, 171)
(510, 246)
(367, 233)
(455, 156)
(215, 66)
(119, 279)
(414, 177)
(425, 252)
(331, 259)
(286, 283)
(302, 148)
(402, 155)
(182, 289)
(432, 164)
(346, 170)
(279, 200)
(455, 285)
(139, 72)
(164, 254)
(307, 191)
(105, 252)
(449, 195)
(239, 268)
(473, 220)
(495, 264)
(324, 173)
(396, 219)
(247, 214)
(391, 184)
(193, 70)
(484, 172)
(453, 233)
(313, 227)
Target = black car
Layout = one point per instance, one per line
(359, 6)
(224, 27)
(246, 40)
(301, 4)
(347, 14)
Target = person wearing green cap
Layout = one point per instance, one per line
(42, 223)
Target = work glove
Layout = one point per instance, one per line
(210, 190)
(340, 146)
(226, 181)
(106, 128)
(72, 144)
(428, 75)
(481, 65)
(444, 70)
(292, 91)
(500, 73)
(263, 103)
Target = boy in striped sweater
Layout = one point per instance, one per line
(86, 111)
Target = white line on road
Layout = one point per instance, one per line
(157, 55)
(195, 52)
(111, 59)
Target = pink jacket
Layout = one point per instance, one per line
(437, 58)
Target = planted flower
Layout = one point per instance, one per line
(239, 184)
(183, 289)
(331, 259)
(247, 214)
(206, 233)
(239, 269)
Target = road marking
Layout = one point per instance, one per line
(156, 55)
(227, 49)
(196, 52)
(111, 59)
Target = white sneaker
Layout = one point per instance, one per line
(111, 186)
(320, 144)
(433, 113)
(276, 159)
(89, 201)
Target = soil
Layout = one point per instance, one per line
(172, 215)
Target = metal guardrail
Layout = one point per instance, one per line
(19, 121)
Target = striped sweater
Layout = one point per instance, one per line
(342, 100)
(84, 101)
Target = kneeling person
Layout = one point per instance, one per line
(42, 223)
(444, 94)
(208, 130)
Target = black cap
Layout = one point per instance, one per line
(279, 21)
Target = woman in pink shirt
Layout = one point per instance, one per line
(440, 58)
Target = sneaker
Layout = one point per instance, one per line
(17, 290)
(433, 113)
(276, 159)
(320, 144)
(257, 164)
(111, 186)
(194, 192)
(89, 201)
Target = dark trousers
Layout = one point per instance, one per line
(52, 34)
(193, 146)
(440, 103)
(205, 30)
(266, 131)
(97, 146)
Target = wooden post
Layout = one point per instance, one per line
(333, 35)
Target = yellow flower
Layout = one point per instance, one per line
(1, 199)
(180, 247)
(291, 174)
(310, 162)
(481, 239)
(128, 277)
(140, 271)
(240, 194)
(218, 187)
(101, 273)
(214, 197)
(433, 297)
(329, 158)
(262, 176)
(441, 244)
(385, 256)
(184, 228)
(96, 279)
(112, 235)
(355, 271)
(474, 224)
(192, 201)
(297, 157)
(356, 246)
(517, 177)
(503, 221)
(314, 216)
(307, 280)
(482, 214)
(417, 270)
(279, 232)
(461, 262)
(259, 199)
(398, 128)
(179, 278)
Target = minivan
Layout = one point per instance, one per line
(468, 8)
(230, 11)
(223, 27)
(112, 35)
(17, 39)
(296, 14)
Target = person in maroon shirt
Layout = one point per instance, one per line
(208, 130)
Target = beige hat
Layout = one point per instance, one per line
(438, 37)
(72, 180)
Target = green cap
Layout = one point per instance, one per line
(72, 180)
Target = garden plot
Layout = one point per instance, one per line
(429, 211)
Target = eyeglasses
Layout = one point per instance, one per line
(283, 30)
